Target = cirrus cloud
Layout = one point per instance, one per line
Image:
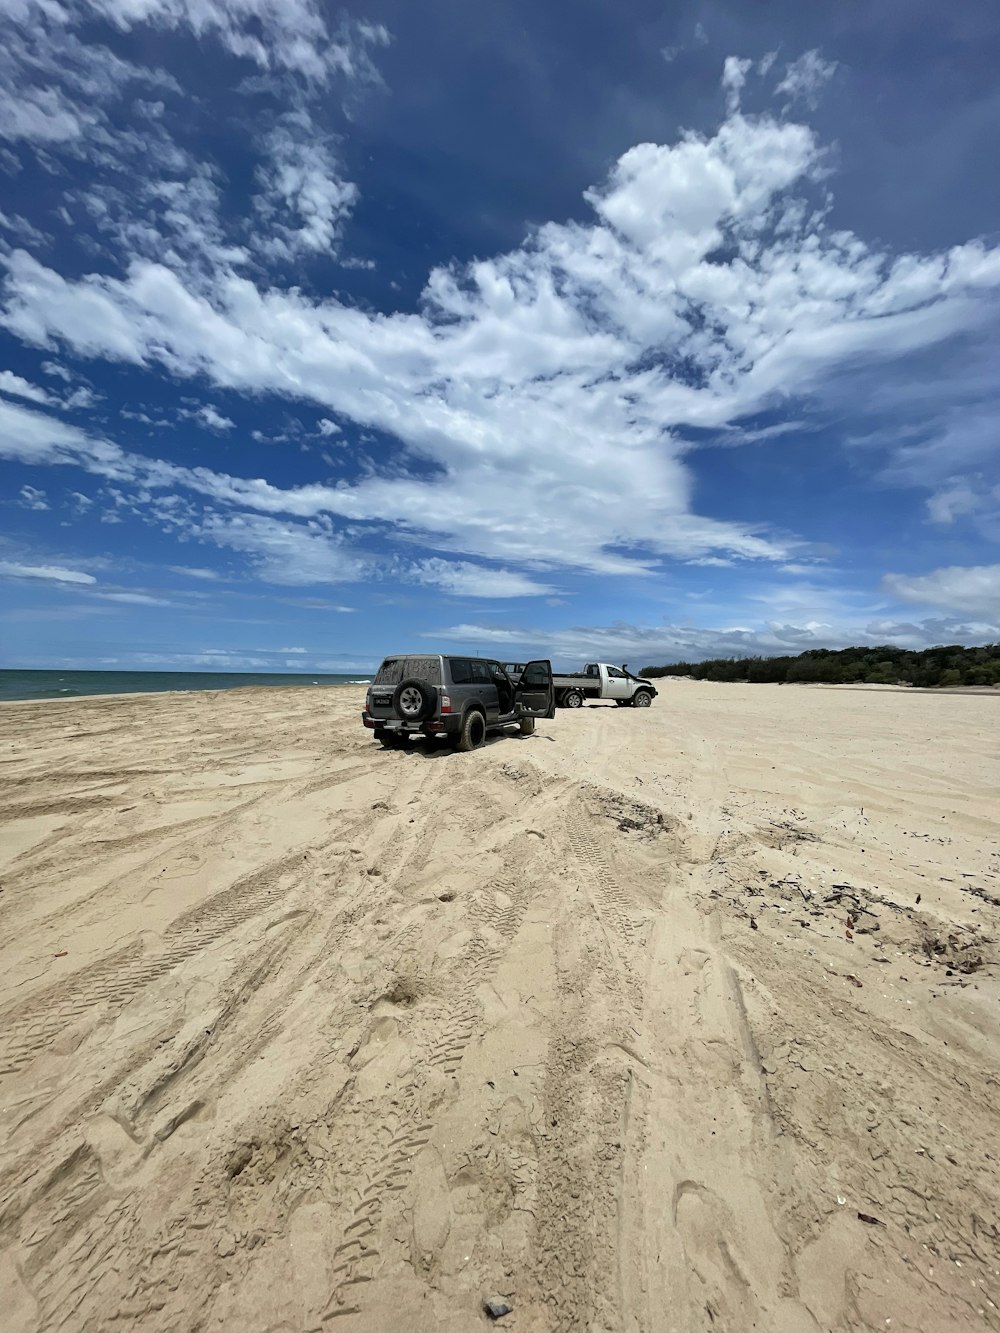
(13, 569)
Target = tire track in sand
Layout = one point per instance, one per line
(591, 1098)
(28, 1029)
(500, 907)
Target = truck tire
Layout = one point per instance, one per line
(527, 726)
(473, 733)
(572, 699)
(624, 703)
(641, 699)
(413, 700)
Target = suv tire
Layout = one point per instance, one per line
(388, 738)
(473, 733)
(413, 700)
(527, 726)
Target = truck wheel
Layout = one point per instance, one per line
(641, 699)
(527, 726)
(473, 732)
(572, 699)
(623, 703)
(413, 700)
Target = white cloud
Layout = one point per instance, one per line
(542, 392)
(214, 420)
(32, 498)
(806, 77)
(303, 201)
(648, 645)
(24, 231)
(462, 579)
(186, 571)
(327, 427)
(290, 650)
(698, 38)
(956, 500)
(11, 569)
(765, 63)
(20, 388)
(80, 399)
(316, 604)
(734, 76)
(62, 94)
(57, 371)
(273, 34)
(134, 598)
(282, 552)
(211, 659)
(55, 88)
(970, 590)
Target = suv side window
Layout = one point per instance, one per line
(482, 673)
(461, 671)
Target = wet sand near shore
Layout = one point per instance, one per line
(669, 1019)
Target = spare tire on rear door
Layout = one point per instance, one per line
(413, 700)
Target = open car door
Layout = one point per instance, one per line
(534, 695)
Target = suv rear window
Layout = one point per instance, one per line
(396, 669)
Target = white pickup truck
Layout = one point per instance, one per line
(598, 680)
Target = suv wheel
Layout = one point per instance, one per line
(473, 733)
(388, 738)
(413, 700)
(527, 726)
(641, 699)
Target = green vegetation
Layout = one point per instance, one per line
(930, 668)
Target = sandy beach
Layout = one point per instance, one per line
(678, 1019)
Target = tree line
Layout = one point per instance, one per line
(929, 668)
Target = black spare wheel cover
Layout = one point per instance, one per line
(426, 699)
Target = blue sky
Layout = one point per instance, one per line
(627, 331)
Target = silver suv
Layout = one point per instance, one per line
(461, 698)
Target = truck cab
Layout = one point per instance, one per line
(601, 680)
(615, 683)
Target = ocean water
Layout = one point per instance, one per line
(67, 684)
